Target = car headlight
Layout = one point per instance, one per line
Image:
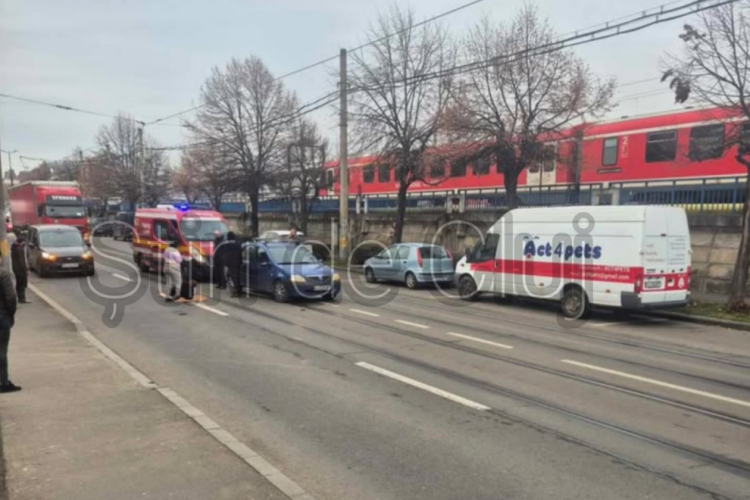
(296, 278)
(197, 255)
(87, 255)
(336, 277)
(49, 256)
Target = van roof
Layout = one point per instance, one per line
(600, 213)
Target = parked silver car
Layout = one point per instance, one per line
(412, 264)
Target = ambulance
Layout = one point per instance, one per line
(630, 257)
(194, 230)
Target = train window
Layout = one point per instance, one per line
(458, 168)
(661, 146)
(549, 159)
(610, 146)
(329, 177)
(744, 147)
(384, 173)
(437, 168)
(706, 142)
(368, 174)
(482, 166)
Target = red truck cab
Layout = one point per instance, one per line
(48, 202)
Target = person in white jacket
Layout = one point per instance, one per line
(173, 269)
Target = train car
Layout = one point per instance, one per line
(676, 146)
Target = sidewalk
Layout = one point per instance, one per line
(83, 429)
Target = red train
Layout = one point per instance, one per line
(684, 145)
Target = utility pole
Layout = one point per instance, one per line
(343, 163)
(142, 163)
(10, 164)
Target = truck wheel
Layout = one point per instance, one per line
(145, 268)
(575, 303)
(467, 288)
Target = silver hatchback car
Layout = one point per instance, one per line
(412, 264)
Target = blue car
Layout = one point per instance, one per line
(287, 270)
(411, 264)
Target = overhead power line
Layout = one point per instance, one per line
(333, 58)
(62, 107)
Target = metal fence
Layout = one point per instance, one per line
(694, 195)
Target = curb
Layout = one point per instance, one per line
(241, 450)
(701, 320)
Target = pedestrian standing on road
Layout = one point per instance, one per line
(20, 267)
(173, 268)
(232, 259)
(219, 269)
(7, 319)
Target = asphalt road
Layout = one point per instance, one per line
(420, 396)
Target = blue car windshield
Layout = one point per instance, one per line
(292, 254)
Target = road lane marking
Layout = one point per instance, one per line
(245, 453)
(420, 385)
(120, 276)
(409, 323)
(475, 339)
(359, 311)
(209, 308)
(660, 383)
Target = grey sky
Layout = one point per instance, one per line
(150, 57)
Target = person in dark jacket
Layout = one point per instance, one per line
(233, 259)
(219, 270)
(7, 319)
(20, 267)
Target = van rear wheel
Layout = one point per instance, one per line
(575, 303)
(467, 288)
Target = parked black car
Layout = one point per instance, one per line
(122, 227)
(101, 226)
(56, 248)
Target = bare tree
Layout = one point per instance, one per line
(242, 114)
(521, 95)
(96, 182)
(713, 70)
(208, 174)
(120, 155)
(396, 101)
(304, 175)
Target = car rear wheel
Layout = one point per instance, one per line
(370, 275)
(411, 281)
(280, 292)
(467, 288)
(575, 303)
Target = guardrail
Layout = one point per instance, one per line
(726, 194)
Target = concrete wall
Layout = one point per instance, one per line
(715, 238)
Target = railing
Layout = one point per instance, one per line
(726, 194)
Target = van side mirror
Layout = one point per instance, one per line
(468, 252)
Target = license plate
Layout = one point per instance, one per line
(69, 266)
(321, 288)
(654, 283)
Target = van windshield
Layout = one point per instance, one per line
(59, 239)
(194, 229)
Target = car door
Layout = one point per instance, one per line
(401, 263)
(249, 268)
(382, 264)
(264, 269)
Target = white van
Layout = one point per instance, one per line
(631, 257)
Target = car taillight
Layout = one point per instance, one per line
(419, 257)
(638, 284)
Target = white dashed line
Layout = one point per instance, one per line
(475, 339)
(659, 383)
(409, 323)
(420, 385)
(121, 277)
(359, 311)
(209, 308)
